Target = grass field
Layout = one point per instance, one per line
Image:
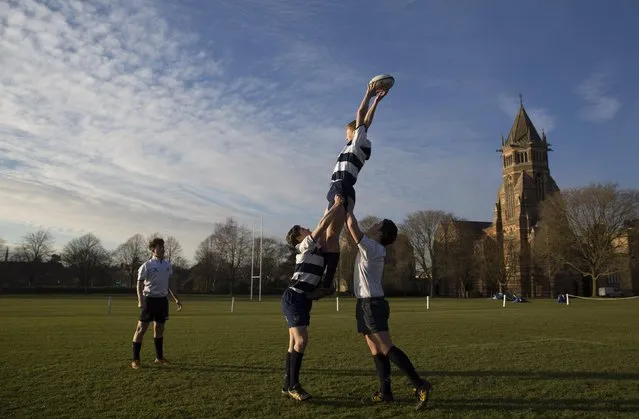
(66, 357)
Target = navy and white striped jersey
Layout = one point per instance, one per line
(309, 265)
(352, 157)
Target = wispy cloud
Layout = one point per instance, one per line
(116, 122)
(601, 106)
(540, 117)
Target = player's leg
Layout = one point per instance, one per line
(331, 249)
(296, 309)
(300, 341)
(160, 316)
(287, 366)
(382, 364)
(376, 318)
(138, 335)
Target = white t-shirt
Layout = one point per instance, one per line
(369, 268)
(155, 273)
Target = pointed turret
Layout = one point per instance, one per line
(523, 131)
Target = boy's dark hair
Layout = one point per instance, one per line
(352, 124)
(389, 232)
(155, 243)
(291, 236)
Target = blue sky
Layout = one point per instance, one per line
(119, 117)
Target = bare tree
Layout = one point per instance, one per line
(511, 265)
(491, 266)
(208, 265)
(455, 253)
(421, 229)
(4, 250)
(130, 256)
(173, 252)
(275, 255)
(586, 227)
(544, 262)
(85, 255)
(232, 242)
(36, 247)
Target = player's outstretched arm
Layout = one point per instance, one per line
(368, 119)
(328, 218)
(353, 227)
(363, 107)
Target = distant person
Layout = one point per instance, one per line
(153, 290)
(372, 310)
(296, 306)
(349, 163)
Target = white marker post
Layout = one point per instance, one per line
(567, 300)
(504, 303)
(337, 303)
(427, 302)
(109, 305)
(232, 303)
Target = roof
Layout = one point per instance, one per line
(523, 131)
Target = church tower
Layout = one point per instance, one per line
(526, 181)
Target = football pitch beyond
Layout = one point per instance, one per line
(64, 356)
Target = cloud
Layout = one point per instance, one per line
(540, 117)
(601, 106)
(115, 122)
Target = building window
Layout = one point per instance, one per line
(539, 183)
(510, 199)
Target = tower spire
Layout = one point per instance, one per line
(521, 100)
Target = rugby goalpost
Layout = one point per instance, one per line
(259, 275)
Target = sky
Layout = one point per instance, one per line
(120, 117)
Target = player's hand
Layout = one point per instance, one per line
(179, 305)
(369, 91)
(380, 95)
(140, 303)
(339, 199)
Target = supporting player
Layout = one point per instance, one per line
(372, 310)
(153, 289)
(349, 163)
(296, 306)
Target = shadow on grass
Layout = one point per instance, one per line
(497, 404)
(541, 375)
(512, 404)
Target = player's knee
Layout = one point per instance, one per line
(385, 348)
(300, 343)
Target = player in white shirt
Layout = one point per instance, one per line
(153, 290)
(372, 310)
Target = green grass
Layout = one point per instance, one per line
(66, 357)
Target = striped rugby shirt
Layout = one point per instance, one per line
(352, 157)
(309, 265)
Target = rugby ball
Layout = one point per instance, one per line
(382, 82)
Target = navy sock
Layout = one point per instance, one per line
(136, 347)
(296, 365)
(159, 352)
(382, 364)
(287, 369)
(399, 358)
